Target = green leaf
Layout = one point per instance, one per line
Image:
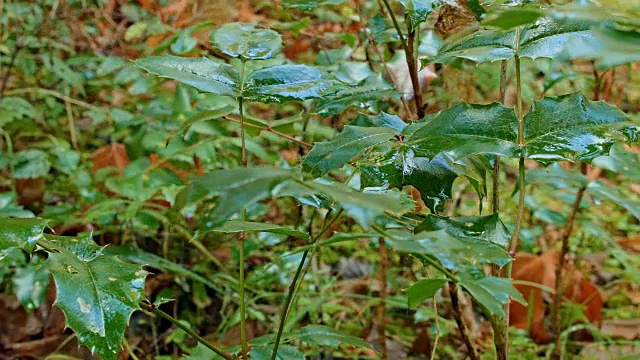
(609, 47)
(97, 293)
(287, 82)
(489, 228)
(512, 18)
(285, 352)
(235, 188)
(372, 89)
(30, 284)
(547, 38)
(381, 120)
(202, 73)
(31, 164)
(324, 335)
(560, 128)
(492, 292)
(309, 5)
(570, 126)
(621, 161)
(352, 141)
(603, 191)
(235, 226)
(246, 42)
(209, 114)
(418, 10)
(397, 168)
(462, 254)
(20, 233)
(422, 290)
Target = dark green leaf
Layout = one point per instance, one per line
(621, 161)
(324, 335)
(246, 42)
(373, 88)
(512, 18)
(202, 73)
(20, 233)
(97, 293)
(603, 191)
(489, 228)
(609, 47)
(352, 141)
(422, 290)
(287, 82)
(235, 226)
(30, 284)
(381, 120)
(309, 5)
(418, 10)
(285, 352)
(31, 164)
(492, 292)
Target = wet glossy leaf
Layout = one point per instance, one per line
(621, 161)
(287, 82)
(547, 38)
(489, 228)
(570, 126)
(30, 164)
(235, 226)
(309, 5)
(246, 42)
(20, 233)
(512, 18)
(492, 292)
(96, 292)
(418, 10)
(202, 73)
(373, 88)
(603, 191)
(462, 254)
(352, 141)
(381, 120)
(324, 335)
(432, 177)
(422, 290)
(30, 284)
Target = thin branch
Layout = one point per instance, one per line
(457, 315)
(152, 309)
(54, 94)
(384, 266)
(243, 236)
(271, 130)
(7, 73)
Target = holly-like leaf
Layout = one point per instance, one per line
(202, 73)
(489, 228)
(30, 164)
(462, 254)
(422, 290)
(372, 89)
(235, 226)
(512, 18)
(560, 128)
(352, 141)
(309, 5)
(418, 10)
(30, 284)
(397, 168)
(324, 335)
(96, 292)
(380, 120)
(492, 292)
(246, 42)
(547, 38)
(20, 233)
(287, 82)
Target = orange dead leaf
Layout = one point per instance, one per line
(112, 155)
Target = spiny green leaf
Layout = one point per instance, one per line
(324, 335)
(235, 226)
(20, 233)
(96, 292)
(372, 89)
(492, 292)
(287, 82)
(418, 10)
(380, 120)
(246, 42)
(202, 73)
(512, 18)
(422, 290)
(489, 228)
(352, 141)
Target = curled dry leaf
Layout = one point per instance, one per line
(112, 155)
(528, 268)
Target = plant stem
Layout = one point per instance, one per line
(292, 286)
(557, 299)
(151, 308)
(384, 266)
(7, 73)
(457, 315)
(54, 94)
(242, 235)
(271, 130)
(411, 58)
(12, 170)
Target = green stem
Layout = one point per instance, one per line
(12, 170)
(242, 235)
(151, 308)
(397, 26)
(292, 286)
